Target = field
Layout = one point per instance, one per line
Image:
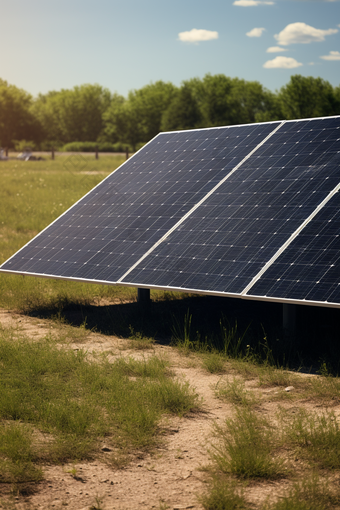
(191, 402)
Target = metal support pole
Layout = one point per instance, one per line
(289, 319)
(143, 296)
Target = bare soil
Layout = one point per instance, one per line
(169, 477)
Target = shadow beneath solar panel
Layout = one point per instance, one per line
(205, 321)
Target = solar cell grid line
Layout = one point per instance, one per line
(262, 204)
(308, 271)
(122, 217)
(198, 204)
(295, 234)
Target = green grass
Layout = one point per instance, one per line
(310, 494)
(214, 362)
(17, 456)
(235, 392)
(245, 447)
(73, 401)
(223, 495)
(316, 436)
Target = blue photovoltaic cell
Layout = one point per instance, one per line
(106, 232)
(231, 236)
(309, 269)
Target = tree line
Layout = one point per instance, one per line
(91, 113)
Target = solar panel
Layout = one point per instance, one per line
(248, 211)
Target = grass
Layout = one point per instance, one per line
(223, 495)
(235, 392)
(316, 437)
(310, 494)
(214, 362)
(245, 447)
(140, 342)
(17, 456)
(71, 401)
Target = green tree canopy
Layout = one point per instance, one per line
(74, 115)
(91, 113)
(306, 97)
(138, 119)
(121, 123)
(183, 112)
(17, 121)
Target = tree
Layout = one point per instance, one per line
(149, 103)
(73, 115)
(213, 96)
(183, 111)
(306, 97)
(138, 118)
(16, 119)
(121, 123)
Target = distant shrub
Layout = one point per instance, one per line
(47, 145)
(21, 145)
(102, 147)
(91, 147)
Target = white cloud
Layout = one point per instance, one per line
(302, 33)
(275, 49)
(333, 55)
(195, 35)
(255, 32)
(282, 63)
(251, 3)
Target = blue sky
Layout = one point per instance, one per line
(126, 44)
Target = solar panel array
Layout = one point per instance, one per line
(249, 211)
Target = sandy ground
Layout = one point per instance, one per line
(171, 477)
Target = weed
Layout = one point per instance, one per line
(139, 341)
(222, 495)
(175, 396)
(163, 506)
(311, 494)
(214, 362)
(245, 447)
(272, 376)
(325, 388)
(231, 340)
(316, 436)
(153, 367)
(17, 455)
(235, 392)
(181, 335)
(98, 504)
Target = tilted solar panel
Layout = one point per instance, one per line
(108, 230)
(249, 211)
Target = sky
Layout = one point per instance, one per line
(126, 44)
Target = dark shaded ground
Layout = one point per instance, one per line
(201, 319)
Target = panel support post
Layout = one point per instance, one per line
(143, 296)
(289, 319)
